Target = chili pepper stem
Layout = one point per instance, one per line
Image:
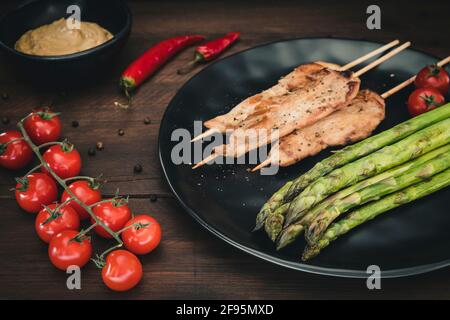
(126, 105)
(198, 58)
(127, 84)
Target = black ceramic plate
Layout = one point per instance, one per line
(226, 198)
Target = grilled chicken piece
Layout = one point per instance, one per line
(296, 79)
(324, 92)
(352, 123)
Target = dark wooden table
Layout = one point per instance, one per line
(191, 263)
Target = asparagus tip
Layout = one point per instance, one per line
(257, 227)
(310, 252)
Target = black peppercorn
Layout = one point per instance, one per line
(5, 120)
(121, 132)
(75, 124)
(91, 152)
(153, 198)
(137, 168)
(147, 120)
(99, 145)
(5, 96)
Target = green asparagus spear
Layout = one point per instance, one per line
(373, 193)
(293, 188)
(373, 209)
(411, 147)
(289, 234)
(270, 206)
(275, 220)
(293, 232)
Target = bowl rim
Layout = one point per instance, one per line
(73, 56)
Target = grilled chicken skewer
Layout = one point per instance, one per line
(326, 91)
(295, 79)
(350, 124)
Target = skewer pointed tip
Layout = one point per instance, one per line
(198, 165)
(199, 137)
(205, 161)
(263, 164)
(205, 134)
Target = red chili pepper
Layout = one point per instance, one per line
(144, 66)
(211, 50)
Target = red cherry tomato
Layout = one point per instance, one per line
(64, 250)
(64, 161)
(86, 192)
(14, 155)
(65, 219)
(122, 270)
(433, 77)
(423, 100)
(114, 215)
(142, 239)
(36, 190)
(43, 126)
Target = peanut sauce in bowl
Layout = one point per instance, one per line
(62, 37)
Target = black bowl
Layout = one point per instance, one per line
(77, 68)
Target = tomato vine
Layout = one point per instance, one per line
(64, 184)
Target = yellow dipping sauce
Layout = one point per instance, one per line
(58, 39)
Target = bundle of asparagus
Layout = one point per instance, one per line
(293, 231)
(293, 188)
(376, 208)
(372, 173)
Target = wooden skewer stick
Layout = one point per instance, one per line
(349, 65)
(369, 55)
(379, 61)
(385, 95)
(406, 83)
(263, 164)
(208, 132)
(206, 160)
(397, 88)
(443, 62)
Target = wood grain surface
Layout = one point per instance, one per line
(191, 263)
